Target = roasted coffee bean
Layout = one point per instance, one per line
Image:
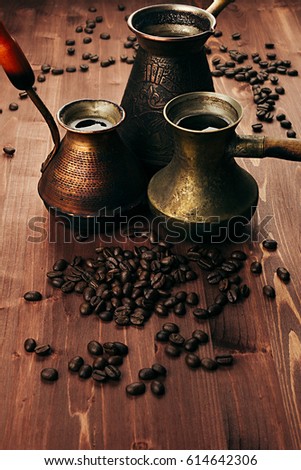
(269, 45)
(230, 266)
(171, 328)
(257, 127)
(224, 285)
(201, 336)
(106, 315)
(33, 296)
(223, 48)
(49, 374)
(192, 360)
(214, 277)
(244, 291)
(128, 44)
(137, 319)
(274, 79)
(94, 58)
(208, 363)
(192, 299)
(181, 296)
(80, 287)
(88, 30)
(84, 67)
(60, 265)
(214, 309)
(79, 29)
(162, 336)
(180, 309)
(88, 293)
(95, 348)
(217, 33)
(269, 244)
(269, 291)
(45, 68)
(115, 360)
(201, 313)
(57, 281)
(30, 345)
(285, 124)
(57, 71)
(99, 375)
(293, 73)
(101, 362)
(235, 36)
(70, 50)
(161, 310)
(283, 274)
(68, 287)
(176, 339)
(281, 70)
(233, 294)
(159, 369)
(13, 107)
(280, 90)
(147, 373)
(85, 371)
(256, 267)
(43, 350)
(224, 360)
(172, 350)
(105, 36)
(234, 279)
(221, 299)
(217, 73)
(85, 309)
(136, 388)
(23, 95)
(75, 363)
(130, 60)
(237, 254)
(99, 19)
(112, 372)
(291, 134)
(111, 348)
(191, 344)
(157, 388)
(9, 150)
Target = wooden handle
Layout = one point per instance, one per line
(14, 62)
(249, 146)
(217, 6)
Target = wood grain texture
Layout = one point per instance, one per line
(254, 405)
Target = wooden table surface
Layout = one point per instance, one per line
(256, 404)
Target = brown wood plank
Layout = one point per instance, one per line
(254, 405)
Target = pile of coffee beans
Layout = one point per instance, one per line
(268, 70)
(128, 286)
(108, 357)
(152, 374)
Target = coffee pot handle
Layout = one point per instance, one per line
(249, 146)
(217, 6)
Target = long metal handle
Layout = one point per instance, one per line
(217, 6)
(249, 146)
(21, 75)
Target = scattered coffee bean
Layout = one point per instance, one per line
(13, 107)
(237, 254)
(192, 299)
(43, 350)
(256, 267)
(57, 71)
(88, 30)
(9, 150)
(208, 363)
(130, 60)
(224, 360)
(41, 78)
(101, 362)
(270, 244)
(95, 348)
(280, 90)
(159, 369)
(112, 372)
(105, 63)
(99, 19)
(105, 36)
(119, 348)
(115, 360)
(176, 339)
(280, 117)
(87, 40)
(191, 344)
(233, 294)
(201, 314)
(147, 374)
(283, 274)
(75, 363)
(269, 291)
(30, 345)
(49, 374)
(172, 350)
(171, 328)
(23, 95)
(293, 73)
(291, 134)
(99, 375)
(214, 309)
(71, 69)
(257, 127)
(269, 45)
(136, 388)
(70, 42)
(192, 360)
(85, 371)
(79, 29)
(33, 296)
(84, 67)
(235, 36)
(244, 291)
(70, 50)
(217, 33)
(157, 388)
(45, 68)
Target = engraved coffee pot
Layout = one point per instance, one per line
(171, 60)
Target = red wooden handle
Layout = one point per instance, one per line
(14, 62)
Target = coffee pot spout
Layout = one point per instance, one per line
(217, 6)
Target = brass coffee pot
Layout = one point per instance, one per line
(171, 60)
(203, 188)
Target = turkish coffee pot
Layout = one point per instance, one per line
(89, 173)
(170, 60)
(203, 188)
